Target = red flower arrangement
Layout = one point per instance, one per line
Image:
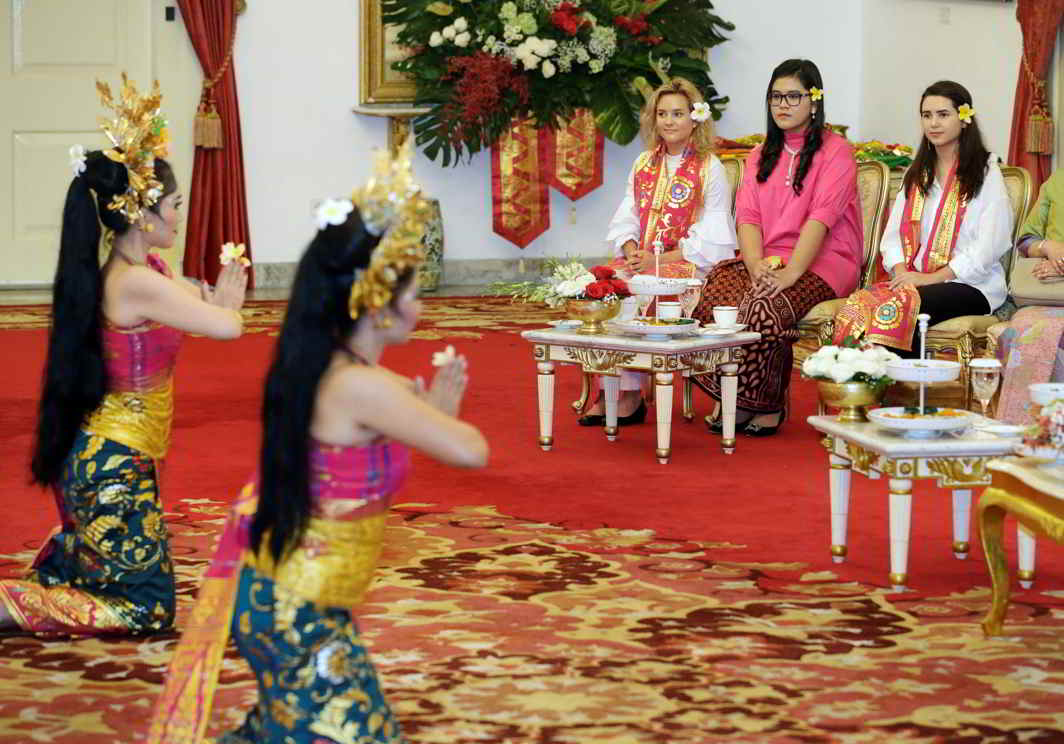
(569, 18)
(481, 82)
(606, 283)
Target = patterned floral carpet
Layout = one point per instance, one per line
(490, 628)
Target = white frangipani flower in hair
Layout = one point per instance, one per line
(443, 358)
(333, 212)
(233, 252)
(77, 160)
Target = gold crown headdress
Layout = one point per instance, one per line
(391, 205)
(138, 133)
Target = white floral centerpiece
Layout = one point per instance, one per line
(850, 378)
(568, 281)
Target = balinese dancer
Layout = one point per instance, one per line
(677, 197)
(103, 423)
(800, 242)
(302, 541)
(944, 241)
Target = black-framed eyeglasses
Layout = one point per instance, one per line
(792, 98)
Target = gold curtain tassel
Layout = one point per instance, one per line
(207, 129)
(1040, 132)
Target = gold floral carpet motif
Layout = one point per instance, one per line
(441, 318)
(491, 628)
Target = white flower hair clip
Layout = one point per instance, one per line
(443, 358)
(233, 252)
(77, 160)
(333, 212)
(700, 112)
(965, 113)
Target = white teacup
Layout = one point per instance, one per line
(725, 315)
(670, 310)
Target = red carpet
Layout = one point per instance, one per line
(770, 496)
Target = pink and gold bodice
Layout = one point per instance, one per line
(351, 490)
(139, 404)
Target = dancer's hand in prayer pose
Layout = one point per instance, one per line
(448, 386)
(229, 291)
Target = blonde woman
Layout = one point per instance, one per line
(677, 198)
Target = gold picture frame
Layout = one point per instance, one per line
(379, 83)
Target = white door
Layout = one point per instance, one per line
(51, 54)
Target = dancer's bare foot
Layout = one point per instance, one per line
(628, 401)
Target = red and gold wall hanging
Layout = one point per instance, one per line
(519, 180)
(576, 156)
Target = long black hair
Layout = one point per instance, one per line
(75, 377)
(316, 324)
(808, 74)
(972, 154)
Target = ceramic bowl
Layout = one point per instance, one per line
(923, 370)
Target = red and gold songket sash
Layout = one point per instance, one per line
(886, 316)
(667, 207)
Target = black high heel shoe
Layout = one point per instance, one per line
(716, 425)
(637, 416)
(760, 430)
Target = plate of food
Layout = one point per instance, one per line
(651, 327)
(648, 284)
(909, 422)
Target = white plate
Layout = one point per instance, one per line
(563, 324)
(1002, 430)
(715, 329)
(648, 284)
(920, 428)
(642, 328)
(923, 370)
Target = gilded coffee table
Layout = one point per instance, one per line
(1033, 493)
(956, 462)
(607, 354)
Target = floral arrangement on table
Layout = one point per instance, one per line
(480, 64)
(1048, 427)
(839, 364)
(568, 281)
(894, 155)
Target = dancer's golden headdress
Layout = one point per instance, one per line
(391, 205)
(138, 133)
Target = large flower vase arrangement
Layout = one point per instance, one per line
(481, 64)
(850, 378)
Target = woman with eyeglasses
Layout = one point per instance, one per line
(945, 237)
(800, 242)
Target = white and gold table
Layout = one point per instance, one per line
(958, 463)
(1033, 493)
(607, 354)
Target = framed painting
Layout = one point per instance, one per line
(379, 83)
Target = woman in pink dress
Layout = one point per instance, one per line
(103, 423)
(800, 242)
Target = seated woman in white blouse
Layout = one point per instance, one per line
(678, 196)
(944, 241)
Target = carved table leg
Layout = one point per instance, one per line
(663, 404)
(585, 393)
(1025, 545)
(611, 390)
(546, 404)
(688, 397)
(992, 533)
(962, 516)
(901, 501)
(839, 484)
(729, 389)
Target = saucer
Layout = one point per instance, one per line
(1001, 430)
(715, 329)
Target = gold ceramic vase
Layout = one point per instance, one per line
(592, 313)
(851, 398)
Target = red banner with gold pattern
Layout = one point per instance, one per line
(576, 156)
(519, 197)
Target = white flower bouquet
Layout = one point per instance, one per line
(840, 364)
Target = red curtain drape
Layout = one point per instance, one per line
(218, 211)
(1039, 20)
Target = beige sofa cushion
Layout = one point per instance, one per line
(975, 324)
(822, 312)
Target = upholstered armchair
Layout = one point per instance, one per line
(873, 183)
